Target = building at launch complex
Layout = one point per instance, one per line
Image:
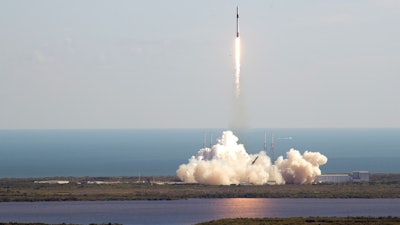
(355, 176)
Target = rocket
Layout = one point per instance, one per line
(237, 21)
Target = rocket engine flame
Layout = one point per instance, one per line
(227, 162)
(237, 55)
(237, 66)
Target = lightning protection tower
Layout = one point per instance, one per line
(204, 140)
(265, 141)
(272, 147)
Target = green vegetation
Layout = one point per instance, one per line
(167, 188)
(284, 221)
(308, 220)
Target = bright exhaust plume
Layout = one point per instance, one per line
(237, 67)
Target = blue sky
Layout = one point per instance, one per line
(169, 64)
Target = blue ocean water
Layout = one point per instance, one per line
(130, 152)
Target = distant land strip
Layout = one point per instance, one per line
(388, 220)
(308, 220)
(170, 188)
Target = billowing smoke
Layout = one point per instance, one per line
(227, 162)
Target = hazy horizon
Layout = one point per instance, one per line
(170, 64)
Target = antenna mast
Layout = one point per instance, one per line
(265, 141)
(211, 138)
(204, 140)
(272, 147)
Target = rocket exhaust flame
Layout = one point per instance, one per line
(237, 55)
(239, 110)
(237, 66)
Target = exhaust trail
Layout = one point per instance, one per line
(237, 55)
(240, 120)
(237, 66)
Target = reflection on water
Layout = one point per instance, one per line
(243, 207)
(191, 211)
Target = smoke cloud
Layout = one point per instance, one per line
(227, 162)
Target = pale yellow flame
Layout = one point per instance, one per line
(237, 66)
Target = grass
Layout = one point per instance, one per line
(12, 189)
(308, 220)
(284, 221)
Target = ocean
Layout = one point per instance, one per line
(152, 152)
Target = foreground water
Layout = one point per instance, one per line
(191, 211)
(41, 153)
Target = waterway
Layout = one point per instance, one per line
(191, 211)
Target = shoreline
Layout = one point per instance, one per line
(308, 220)
(273, 221)
(170, 188)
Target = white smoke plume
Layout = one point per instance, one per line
(227, 162)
